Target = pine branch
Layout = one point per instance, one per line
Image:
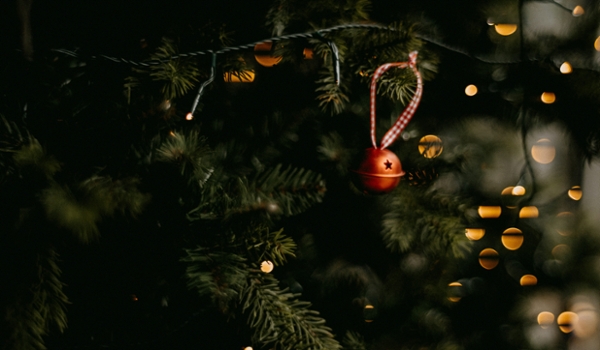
(178, 75)
(30, 320)
(219, 275)
(81, 210)
(33, 156)
(354, 341)
(288, 192)
(272, 246)
(431, 223)
(282, 321)
(293, 189)
(189, 152)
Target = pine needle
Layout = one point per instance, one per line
(219, 275)
(280, 320)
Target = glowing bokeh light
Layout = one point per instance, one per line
(561, 251)
(545, 319)
(566, 68)
(266, 266)
(246, 76)
(489, 211)
(565, 222)
(474, 234)
(543, 151)
(471, 90)
(548, 97)
(248, 348)
(430, 146)
(518, 191)
(512, 238)
(597, 44)
(262, 54)
(489, 258)
(587, 324)
(578, 11)
(575, 193)
(508, 190)
(455, 291)
(189, 116)
(528, 280)
(529, 212)
(505, 29)
(508, 199)
(566, 321)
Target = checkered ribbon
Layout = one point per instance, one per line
(408, 112)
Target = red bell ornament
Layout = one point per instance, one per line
(380, 170)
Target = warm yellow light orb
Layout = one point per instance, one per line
(597, 44)
(508, 190)
(505, 29)
(454, 291)
(262, 53)
(566, 321)
(566, 68)
(575, 193)
(489, 258)
(543, 151)
(430, 146)
(512, 238)
(189, 116)
(248, 348)
(578, 11)
(471, 90)
(529, 212)
(246, 76)
(545, 318)
(548, 97)
(489, 211)
(266, 266)
(528, 280)
(518, 191)
(474, 234)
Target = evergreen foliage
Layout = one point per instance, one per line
(280, 320)
(272, 246)
(177, 75)
(42, 309)
(354, 341)
(428, 222)
(218, 275)
(211, 196)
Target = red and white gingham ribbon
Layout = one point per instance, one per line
(408, 112)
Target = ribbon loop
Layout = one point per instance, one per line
(408, 112)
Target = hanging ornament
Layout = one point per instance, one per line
(380, 169)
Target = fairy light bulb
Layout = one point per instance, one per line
(266, 266)
(578, 11)
(505, 29)
(566, 68)
(189, 116)
(548, 97)
(471, 90)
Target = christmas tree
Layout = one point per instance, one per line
(192, 175)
